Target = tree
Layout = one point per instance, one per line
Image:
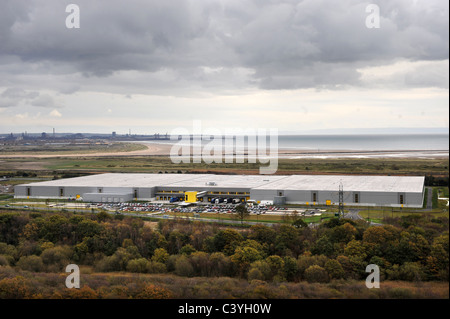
(439, 256)
(9, 250)
(244, 256)
(299, 223)
(241, 212)
(84, 292)
(227, 240)
(103, 216)
(56, 258)
(418, 245)
(183, 267)
(176, 241)
(306, 260)
(155, 267)
(260, 270)
(187, 249)
(288, 241)
(343, 233)
(323, 246)
(201, 263)
(262, 234)
(290, 269)
(255, 274)
(56, 228)
(139, 265)
(334, 269)
(119, 260)
(355, 249)
(14, 288)
(347, 266)
(356, 253)
(160, 255)
(198, 236)
(149, 240)
(221, 265)
(378, 239)
(31, 263)
(11, 227)
(411, 271)
(151, 291)
(276, 264)
(334, 222)
(316, 273)
(4, 260)
(254, 244)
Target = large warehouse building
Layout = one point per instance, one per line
(395, 191)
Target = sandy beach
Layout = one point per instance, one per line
(152, 149)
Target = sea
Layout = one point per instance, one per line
(363, 145)
(395, 142)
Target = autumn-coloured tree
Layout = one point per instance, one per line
(84, 292)
(221, 265)
(14, 288)
(306, 260)
(355, 249)
(316, 273)
(343, 233)
(57, 258)
(176, 241)
(323, 246)
(244, 256)
(11, 227)
(160, 255)
(290, 269)
(262, 234)
(409, 249)
(334, 269)
(288, 241)
(276, 264)
(227, 240)
(259, 270)
(183, 266)
(139, 265)
(151, 291)
(187, 249)
(440, 255)
(31, 263)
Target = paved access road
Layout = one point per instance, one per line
(429, 198)
(353, 214)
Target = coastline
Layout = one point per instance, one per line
(162, 149)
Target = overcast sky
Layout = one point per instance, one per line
(152, 66)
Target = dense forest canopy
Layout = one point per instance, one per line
(407, 248)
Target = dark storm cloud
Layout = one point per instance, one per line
(285, 44)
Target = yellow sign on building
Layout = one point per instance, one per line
(190, 197)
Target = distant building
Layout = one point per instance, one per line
(392, 191)
(113, 134)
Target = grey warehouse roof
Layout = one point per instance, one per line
(275, 182)
(407, 184)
